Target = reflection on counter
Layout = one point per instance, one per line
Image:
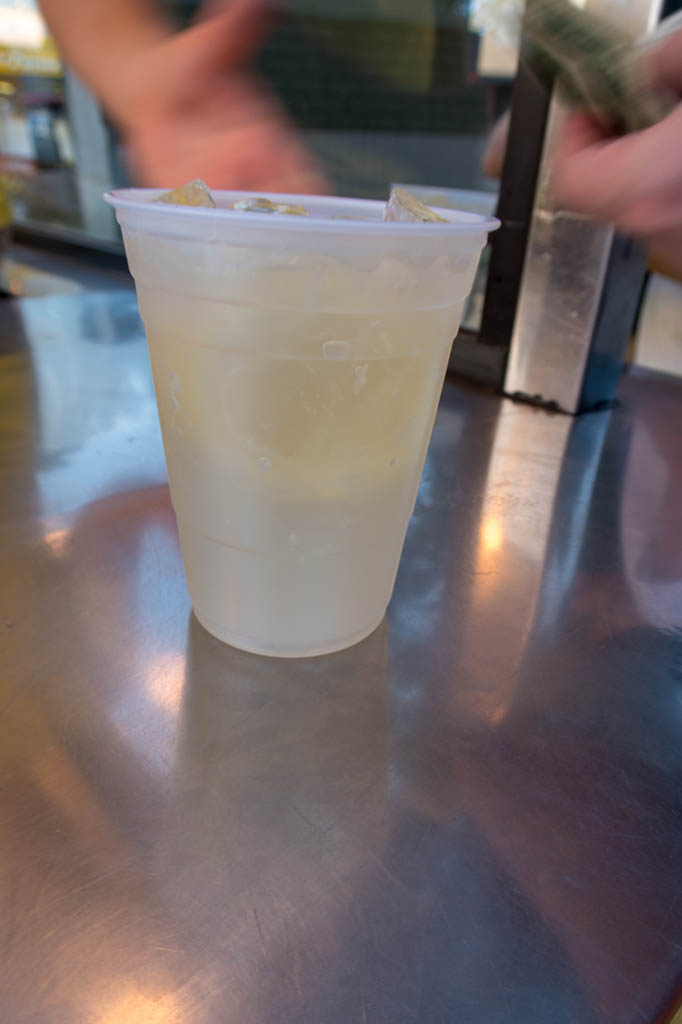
(478, 806)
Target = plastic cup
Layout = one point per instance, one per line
(298, 363)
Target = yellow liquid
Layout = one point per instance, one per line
(294, 443)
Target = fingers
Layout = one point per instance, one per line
(269, 158)
(580, 132)
(258, 156)
(493, 157)
(592, 170)
(226, 36)
(634, 181)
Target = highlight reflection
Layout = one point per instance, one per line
(136, 1008)
(491, 535)
(57, 541)
(166, 680)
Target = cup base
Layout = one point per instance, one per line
(251, 646)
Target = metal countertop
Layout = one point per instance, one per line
(474, 816)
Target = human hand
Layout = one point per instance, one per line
(189, 107)
(634, 181)
(496, 147)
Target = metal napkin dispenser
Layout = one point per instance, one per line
(581, 283)
(580, 291)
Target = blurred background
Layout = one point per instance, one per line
(383, 91)
(381, 98)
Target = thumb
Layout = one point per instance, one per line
(226, 35)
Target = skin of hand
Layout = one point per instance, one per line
(187, 103)
(634, 181)
(493, 157)
(191, 107)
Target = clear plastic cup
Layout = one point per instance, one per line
(298, 363)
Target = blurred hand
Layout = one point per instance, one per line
(635, 181)
(190, 107)
(496, 147)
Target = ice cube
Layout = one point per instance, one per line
(261, 205)
(402, 206)
(194, 193)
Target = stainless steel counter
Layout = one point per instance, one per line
(474, 816)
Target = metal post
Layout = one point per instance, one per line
(581, 284)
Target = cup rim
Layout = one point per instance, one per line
(458, 222)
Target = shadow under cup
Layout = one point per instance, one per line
(298, 363)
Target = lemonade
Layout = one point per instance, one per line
(297, 385)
